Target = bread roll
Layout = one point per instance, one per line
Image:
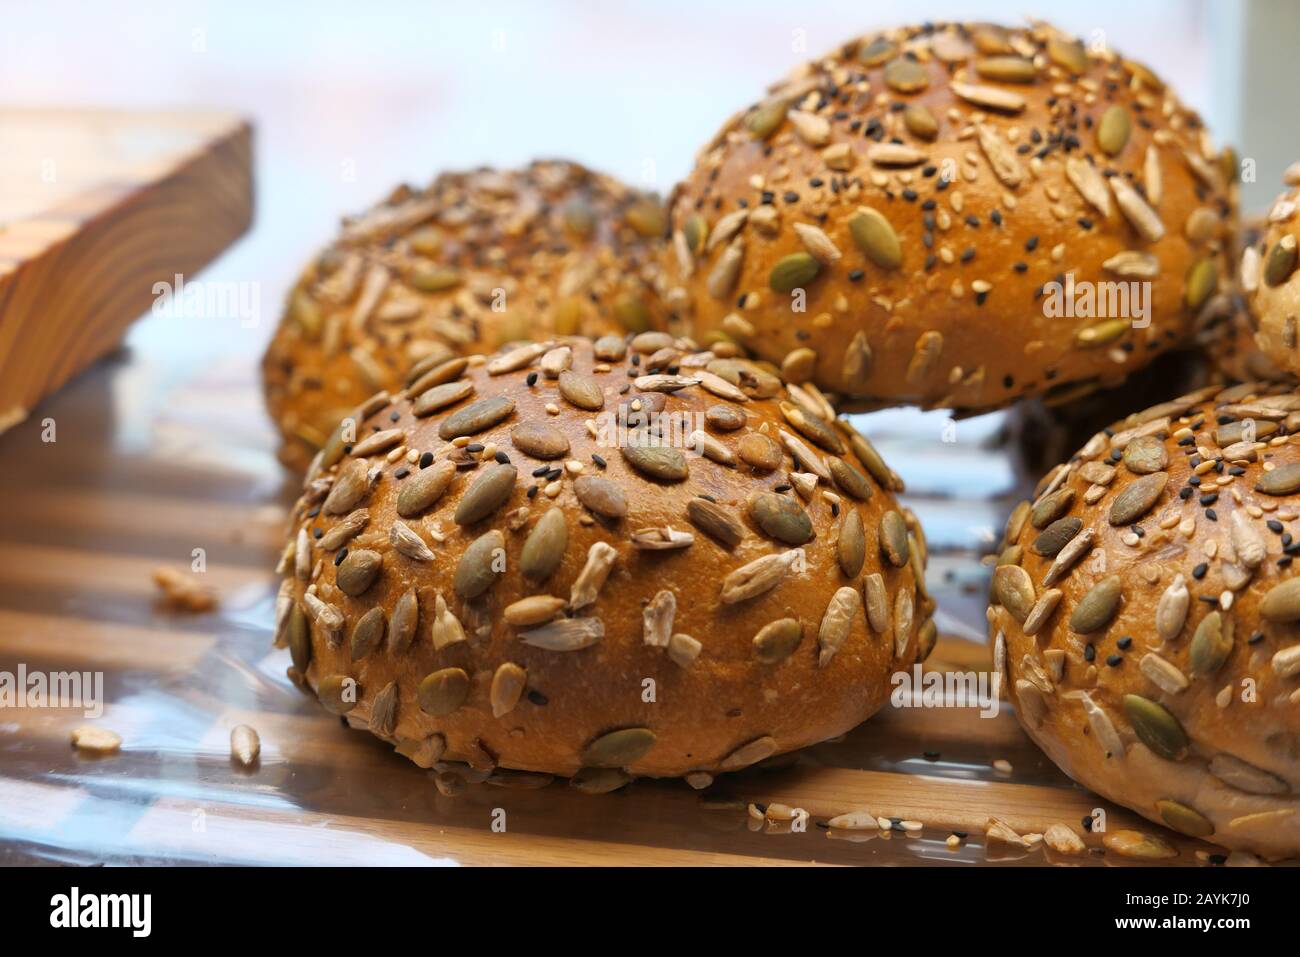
(1271, 282)
(888, 220)
(510, 579)
(474, 260)
(1145, 615)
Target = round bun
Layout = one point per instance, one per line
(1229, 339)
(887, 221)
(1272, 281)
(1146, 616)
(512, 572)
(473, 261)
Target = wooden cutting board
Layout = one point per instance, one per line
(95, 208)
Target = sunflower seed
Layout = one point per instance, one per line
(245, 745)
(1013, 590)
(683, 650)
(508, 683)
(780, 517)
(383, 711)
(777, 640)
(443, 691)
(1162, 673)
(406, 618)
(601, 496)
(759, 576)
(326, 617)
(1138, 845)
(1145, 454)
(1281, 261)
(368, 633)
(1096, 609)
(476, 417)
(836, 623)
(1051, 507)
(350, 487)
(489, 492)
(877, 602)
(424, 488)
(1042, 610)
(1001, 157)
(989, 97)
(1183, 819)
(540, 441)
(750, 753)
(715, 521)
(1136, 210)
(446, 628)
(661, 462)
(565, 634)
(875, 237)
(725, 272)
(1156, 727)
(662, 539)
(1007, 69)
(1246, 541)
(893, 538)
(582, 391)
(1102, 727)
(1030, 703)
(1113, 130)
(1171, 610)
(477, 569)
(586, 587)
(358, 571)
(1138, 498)
(1283, 480)
(1246, 777)
(1056, 536)
(516, 359)
(338, 693)
(533, 610)
(1090, 184)
(903, 612)
(1079, 546)
(407, 541)
(1286, 663)
(851, 549)
(1131, 264)
(348, 528)
(88, 737)
(657, 619)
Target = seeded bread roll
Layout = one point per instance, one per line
(885, 222)
(1145, 616)
(510, 579)
(1270, 280)
(1229, 339)
(473, 261)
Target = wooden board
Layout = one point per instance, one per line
(95, 208)
(88, 518)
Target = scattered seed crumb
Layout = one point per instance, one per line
(87, 737)
(245, 745)
(1002, 832)
(182, 592)
(854, 821)
(1002, 766)
(1062, 839)
(953, 841)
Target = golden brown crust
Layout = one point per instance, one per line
(712, 689)
(1272, 281)
(1166, 547)
(987, 205)
(475, 260)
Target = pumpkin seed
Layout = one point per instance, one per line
(750, 753)
(1015, 523)
(1051, 507)
(760, 451)
(424, 488)
(358, 571)
(1283, 480)
(875, 53)
(1145, 454)
(338, 693)
(766, 118)
(1183, 819)
(1282, 602)
(781, 517)
(545, 545)
(777, 640)
(1013, 590)
(1138, 498)
(647, 218)
(1156, 727)
(1007, 69)
(350, 487)
(716, 521)
(406, 618)
(793, 272)
(383, 711)
(812, 428)
(905, 75)
(851, 550)
(837, 622)
(696, 231)
(1211, 644)
(368, 633)
(443, 691)
(489, 492)
(725, 418)
(540, 441)
(476, 571)
(757, 577)
(581, 390)
(347, 529)
(849, 480)
(1068, 54)
(1202, 283)
(875, 237)
(598, 780)
(601, 496)
(299, 637)
(1234, 432)
(1113, 130)
(432, 371)
(565, 634)
(920, 122)
(661, 462)
(610, 348)
(508, 683)
(476, 417)
(441, 396)
(1280, 262)
(1056, 536)
(893, 538)
(618, 749)
(1100, 333)
(1096, 609)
